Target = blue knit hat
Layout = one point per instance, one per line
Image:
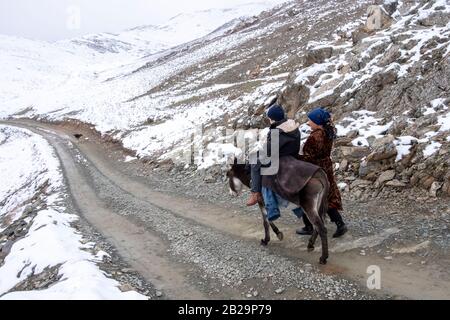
(319, 116)
(276, 113)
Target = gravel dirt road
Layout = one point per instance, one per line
(191, 240)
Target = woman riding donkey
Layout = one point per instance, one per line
(289, 145)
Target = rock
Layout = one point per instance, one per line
(357, 37)
(398, 126)
(343, 141)
(255, 293)
(360, 183)
(383, 148)
(279, 291)
(343, 165)
(209, 178)
(396, 183)
(126, 288)
(390, 7)
(438, 19)
(435, 187)
(293, 97)
(353, 153)
(384, 177)
(159, 294)
(352, 134)
(390, 56)
(316, 56)
(377, 18)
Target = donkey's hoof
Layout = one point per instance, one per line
(310, 248)
(280, 236)
(264, 242)
(323, 260)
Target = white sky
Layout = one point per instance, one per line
(58, 19)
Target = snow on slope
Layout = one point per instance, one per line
(31, 173)
(102, 97)
(414, 40)
(183, 28)
(34, 71)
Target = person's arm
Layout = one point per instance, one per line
(314, 147)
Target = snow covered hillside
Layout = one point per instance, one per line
(183, 28)
(41, 255)
(37, 74)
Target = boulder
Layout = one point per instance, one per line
(343, 141)
(377, 18)
(316, 56)
(293, 97)
(343, 165)
(383, 148)
(392, 54)
(357, 37)
(385, 177)
(353, 153)
(382, 157)
(435, 187)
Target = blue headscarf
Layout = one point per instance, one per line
(319, 116)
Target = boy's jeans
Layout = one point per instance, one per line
(273, 201)
(256, 179)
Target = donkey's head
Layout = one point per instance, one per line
(238, 178)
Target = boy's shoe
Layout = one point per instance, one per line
(255, 198)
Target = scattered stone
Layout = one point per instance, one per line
(384, 177)
(279, 291)
(435, 187)
(396, 183)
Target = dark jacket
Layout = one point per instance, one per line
(317, 150)
(289, 138)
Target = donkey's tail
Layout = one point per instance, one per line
(324, 195)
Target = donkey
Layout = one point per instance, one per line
(238, 177)
(313, 199)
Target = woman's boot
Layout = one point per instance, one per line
(336, 217)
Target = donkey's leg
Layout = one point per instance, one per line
(322, 208)
(312, 240)
(266, 239)
(311, 200)
(277, 231)
(308, 204)
(324, 239)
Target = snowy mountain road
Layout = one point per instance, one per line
(193, 249)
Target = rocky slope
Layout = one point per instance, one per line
(382, 67)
